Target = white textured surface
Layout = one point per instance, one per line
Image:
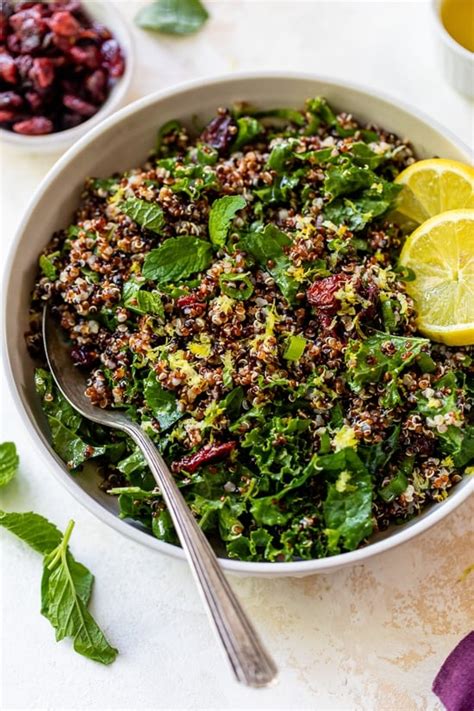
(368, 638)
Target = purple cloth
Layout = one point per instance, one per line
(454, 684)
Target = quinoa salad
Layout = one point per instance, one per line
(240, 296)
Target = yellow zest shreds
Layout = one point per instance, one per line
(202, 347)
(345, 437)
(469, 471)
(298, 273)
(342, 483)
(181, 365)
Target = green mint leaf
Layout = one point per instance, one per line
(268, 248)
(140, 301)
(8, 462)
(177, 258)
(83, 582)
(248, 130)
(146, 214)
(161, 402)
(47, 267)
(33, 529)
(66, 589)
(221, 215)
(174, 17)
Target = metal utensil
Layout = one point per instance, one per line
(251, 663)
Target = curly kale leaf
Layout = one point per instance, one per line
(348, 505)
(368, 361)
(269, 249)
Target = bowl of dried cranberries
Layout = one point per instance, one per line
(64, 66)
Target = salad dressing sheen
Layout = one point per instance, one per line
(458, 18)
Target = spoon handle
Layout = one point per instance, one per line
(250, 662)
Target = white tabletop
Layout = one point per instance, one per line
(372, 637)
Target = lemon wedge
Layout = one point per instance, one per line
(434, 186)
(441, 254)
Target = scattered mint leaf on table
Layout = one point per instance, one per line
(8, 462)
(66, 589)
(37, 531)
(66, 585)
(173, 17)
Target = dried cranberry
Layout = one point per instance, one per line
(208, 453)
(13, 44)
(35, 126)
(59, 62)
(79, 106)
(322, 294)
(84, 356)
(61, 43)
(87, 56)
(29, 28)
(6, 116)
(24, 64)
(112, 58)
(8, 70)
(71, 121)
(10, 100)
(96, 84)
(6, 9)
(220, 132)
(183, 302)
(42, 73)
(34, 99)
(102, 32)
(64, 24)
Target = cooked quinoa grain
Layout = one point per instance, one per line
(239, 296)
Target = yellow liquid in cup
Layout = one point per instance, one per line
(458, 18)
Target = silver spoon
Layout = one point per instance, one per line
(251, 663)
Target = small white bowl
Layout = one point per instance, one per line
(106, 14)
(457, 62)
(123, 141)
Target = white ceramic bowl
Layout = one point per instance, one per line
(109, 16)
(123, 141)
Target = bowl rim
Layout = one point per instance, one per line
(60, 139)
(292, 568)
